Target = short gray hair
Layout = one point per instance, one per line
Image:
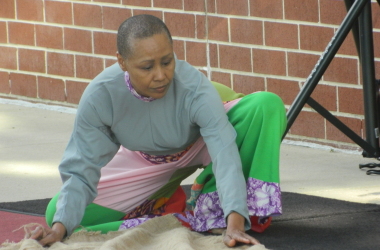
(139, 27)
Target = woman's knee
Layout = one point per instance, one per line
(266, 100)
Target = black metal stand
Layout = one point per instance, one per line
(359, 20)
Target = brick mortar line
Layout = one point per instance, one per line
(72, 12)
(264, 47)
(123, 6)
(249, 7)
(319, 11)
(286, 62)
(337, 98)
(178, 11)
(59, 51)
(15, 10)
(59, 25)
(218, 55)
(252, 63)
(134, 7)
(342, 85)
(44, 10)
(217, 70)
(283, 9)
(240, 45)
(281, 77)
(37, 74)
(208, 60)
(152, 7)
(213, 69)
(264, 19)
(285, 21)
(115, 31)
(299, 37)
(347, 115)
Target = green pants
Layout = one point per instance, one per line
(96, 217)
(260, 121)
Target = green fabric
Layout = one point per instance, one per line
(260, 121)
(225, 93)
(96, 217)
(175, 181)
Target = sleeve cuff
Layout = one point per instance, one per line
(247, 221)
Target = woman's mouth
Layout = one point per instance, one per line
(160, 89)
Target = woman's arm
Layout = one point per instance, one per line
(91, 147)
(219, 136)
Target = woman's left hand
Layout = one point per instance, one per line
(235, 231)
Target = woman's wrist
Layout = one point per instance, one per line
(236, 221)
(60, 229)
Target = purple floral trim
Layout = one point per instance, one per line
(263, 200)
(130, 223)
(133, 91)
(160, 159)
(208, 213)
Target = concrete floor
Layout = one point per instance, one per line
(34, 136)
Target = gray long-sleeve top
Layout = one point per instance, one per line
(109, 116)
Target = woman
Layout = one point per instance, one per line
(148, 122)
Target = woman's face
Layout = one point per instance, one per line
(151, 65)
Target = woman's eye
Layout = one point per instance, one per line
(166, 63)
(147, 68)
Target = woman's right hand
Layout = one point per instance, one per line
(48, 236)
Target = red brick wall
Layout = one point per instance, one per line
(50, 50)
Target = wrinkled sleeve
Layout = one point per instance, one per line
(219, 136)
(91, 147)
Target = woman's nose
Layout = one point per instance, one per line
(159, 74)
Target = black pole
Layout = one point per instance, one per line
(324, 61)
(341, 126)
(370, 88)
(355, 27)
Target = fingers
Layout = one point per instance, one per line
(228, 241)
(36, 234)
(231, 239)
(48, 240)
(45, 237)
(253, 240)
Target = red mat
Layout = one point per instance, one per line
(11, 221)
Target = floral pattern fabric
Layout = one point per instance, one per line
(160, 159)
(145, 208)
(263, 200)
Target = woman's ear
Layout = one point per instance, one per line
(121, 62)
